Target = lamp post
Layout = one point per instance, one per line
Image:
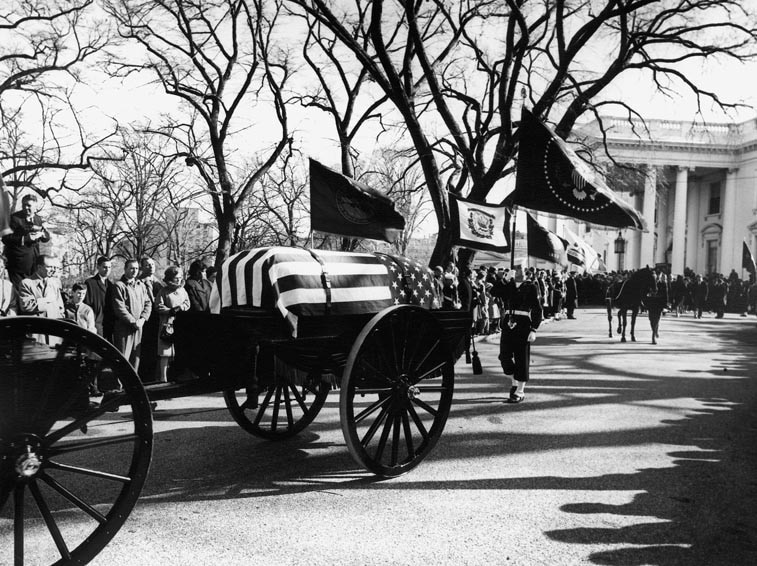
(620, 249)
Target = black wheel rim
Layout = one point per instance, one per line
(396, 390)
(280, 410)
(71, 469)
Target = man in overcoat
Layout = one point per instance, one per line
(571, 294)
(41, 295)
(700, 296)
(99, 288)
(131, 309)
(148, 370)
(521, 317)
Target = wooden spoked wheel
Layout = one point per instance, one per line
(396, 390)
(280, 410)
(71, 470)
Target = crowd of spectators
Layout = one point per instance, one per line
(561, 291)
(135, 313)
(466, 288)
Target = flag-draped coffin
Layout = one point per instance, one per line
(297, 282)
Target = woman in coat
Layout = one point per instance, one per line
(170, 300)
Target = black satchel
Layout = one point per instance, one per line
(166, 332)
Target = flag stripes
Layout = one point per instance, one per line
(298, 282)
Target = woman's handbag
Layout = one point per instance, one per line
(166, 332)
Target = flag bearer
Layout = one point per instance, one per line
(521, 316)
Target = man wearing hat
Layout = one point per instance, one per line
(521, 316)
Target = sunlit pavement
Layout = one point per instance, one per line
(621, 454)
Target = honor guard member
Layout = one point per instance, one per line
(521, 316)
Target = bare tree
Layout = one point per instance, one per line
(42, 45)
(130, 208)
(442, 58)
(342, 91)
(340, 82)
(219, 59)
(396, 172)
(281, 201)
(187, 237)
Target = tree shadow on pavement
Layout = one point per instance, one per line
(698, 510)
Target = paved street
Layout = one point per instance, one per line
(621, 454)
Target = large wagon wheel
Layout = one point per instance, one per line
(83, 464)
(280, 410)
(396, 390)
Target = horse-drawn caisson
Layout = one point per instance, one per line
(290, 325)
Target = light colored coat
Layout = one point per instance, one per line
(85, 317)
(8, 298)
(41, 296)
(166, 300)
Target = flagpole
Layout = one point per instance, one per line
(512, 239)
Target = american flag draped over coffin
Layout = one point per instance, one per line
(299, 282)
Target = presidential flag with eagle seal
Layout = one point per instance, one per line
(552, 178)
(480, 226)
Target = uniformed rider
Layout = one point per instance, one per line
(521, 317)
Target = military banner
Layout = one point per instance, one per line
(345, 207)
(544, 244)
(480, 226)
(552, 178)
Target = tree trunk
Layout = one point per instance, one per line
(225, 233)
(443, 249)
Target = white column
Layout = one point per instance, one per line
(633, 255)
(646, 256)
(727, 243)
(694, 251)
(662, 228)
(679, 221)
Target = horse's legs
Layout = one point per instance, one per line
(634, 313)
(622, 322)
(654, 322)
(608, 303)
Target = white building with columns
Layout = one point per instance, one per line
(699, 195)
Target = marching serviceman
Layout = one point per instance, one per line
(521, 316)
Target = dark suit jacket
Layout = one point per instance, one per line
(20, 251)
(98, 298)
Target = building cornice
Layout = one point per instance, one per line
(719, 140)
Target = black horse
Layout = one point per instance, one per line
(612, 291)
(631, 296)
(656, 302)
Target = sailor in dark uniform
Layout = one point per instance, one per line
(521, 317)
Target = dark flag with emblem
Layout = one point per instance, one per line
(580, 252)
(747, 261)
(544, 244)
(552, 178)
(480, 226)
(343, 206)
